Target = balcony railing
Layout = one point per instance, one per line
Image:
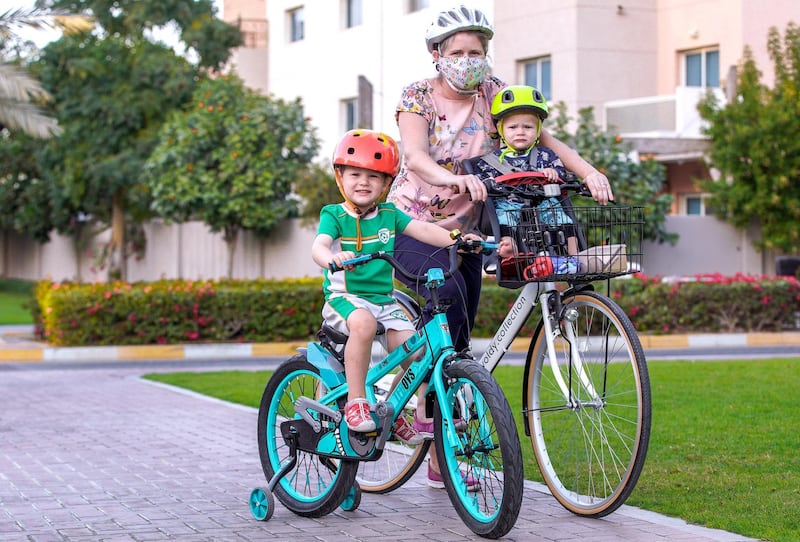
(666, 116)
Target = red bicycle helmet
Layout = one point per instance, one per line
(369, 150)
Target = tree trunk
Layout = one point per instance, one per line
(116, 248)
(231, 235)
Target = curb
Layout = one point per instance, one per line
(37, 352)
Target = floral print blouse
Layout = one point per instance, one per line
(457, 131)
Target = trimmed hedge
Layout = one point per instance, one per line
(171, 312)
(180, 311)
(710, 303)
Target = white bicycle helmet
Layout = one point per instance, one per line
(458, 19)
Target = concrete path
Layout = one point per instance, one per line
(99, 454)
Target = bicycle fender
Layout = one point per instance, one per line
(317, 356)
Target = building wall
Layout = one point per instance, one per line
(190, 251)
(598, 52)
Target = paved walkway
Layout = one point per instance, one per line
(99, 454)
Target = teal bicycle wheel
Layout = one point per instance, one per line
(315, 485)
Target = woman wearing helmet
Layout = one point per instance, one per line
(444, 121)
(365, 162)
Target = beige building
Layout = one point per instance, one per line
(641, 65)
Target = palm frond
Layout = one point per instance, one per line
(17, 111)
(44, 19)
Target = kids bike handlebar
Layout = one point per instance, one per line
(484, 247)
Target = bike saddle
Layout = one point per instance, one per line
(337, 337)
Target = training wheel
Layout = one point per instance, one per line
(262, 504)
(353, 499)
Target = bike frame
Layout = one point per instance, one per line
(433, 339)
(516, 317)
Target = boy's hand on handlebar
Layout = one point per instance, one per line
(551, 174)
(338, 258)
(599, 187)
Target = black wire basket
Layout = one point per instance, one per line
(551, 242)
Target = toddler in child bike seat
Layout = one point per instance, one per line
(356, 299)
(518, 112)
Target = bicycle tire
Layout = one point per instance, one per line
(487, 450)
(399, 461)
(316, 485)
(591, 454)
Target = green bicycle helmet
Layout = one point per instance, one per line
(518, 99)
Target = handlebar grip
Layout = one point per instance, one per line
(358, 260)
(484, 246)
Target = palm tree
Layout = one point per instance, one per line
(19, 92)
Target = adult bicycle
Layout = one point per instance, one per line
(586, 390)
(311, 459)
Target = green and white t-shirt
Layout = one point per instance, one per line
(374, 280)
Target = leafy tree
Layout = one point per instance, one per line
(755, 144)
(113, 87)
(634, 181)
(317, 188)
(230, 160)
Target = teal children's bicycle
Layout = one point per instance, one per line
(311, 460)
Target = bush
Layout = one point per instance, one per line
(710, 303)
(171, 312)
(180, 311)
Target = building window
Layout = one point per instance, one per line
(417, 5)
(350, 114)
(695, 205)
(353, 13)
(296, 24)
(701, 68)
(536, 73)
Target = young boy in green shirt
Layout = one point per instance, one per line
(365, 163)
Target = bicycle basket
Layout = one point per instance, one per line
(575, 244)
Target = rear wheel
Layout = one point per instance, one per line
(399, 461)
(314, 486)
(591, 442)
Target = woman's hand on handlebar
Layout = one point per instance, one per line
(599, 187)
(469, 184)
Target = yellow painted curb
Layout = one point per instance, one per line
(520, 345)
(151, 351)
(773, 339)
(29, 354)
(277, 349)
(664, 341)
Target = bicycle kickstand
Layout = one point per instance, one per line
(291, 440)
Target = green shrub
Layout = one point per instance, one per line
(171, 312)
(710, 303)
(183, 311)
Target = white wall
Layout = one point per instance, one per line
(190, 251)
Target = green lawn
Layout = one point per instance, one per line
(15, 294)
(724, 450)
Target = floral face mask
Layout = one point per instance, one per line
(462, 72)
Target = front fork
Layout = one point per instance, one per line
(553, 316)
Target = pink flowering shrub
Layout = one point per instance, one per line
(710, 303)
(177, 311)
(181, 311)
